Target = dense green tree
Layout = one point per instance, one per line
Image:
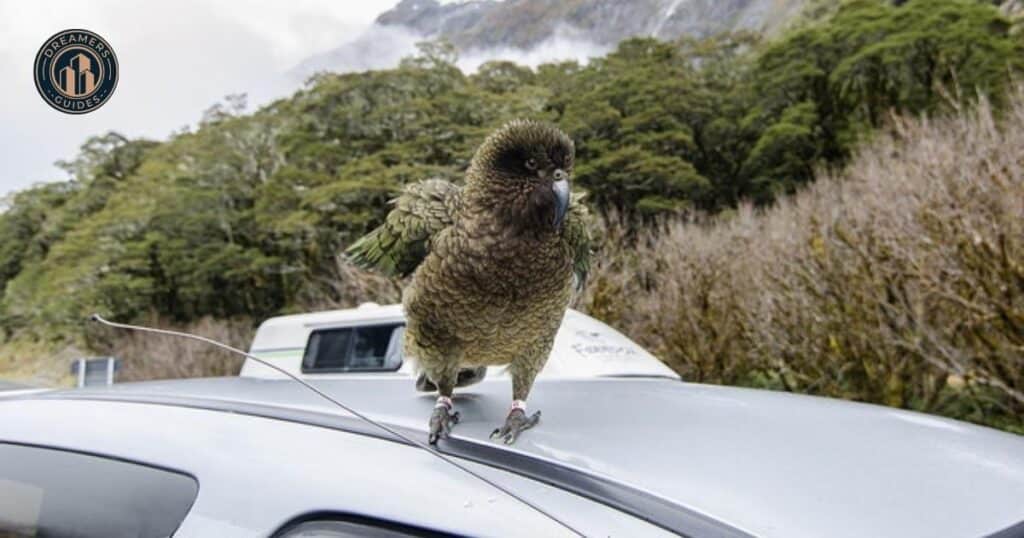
(869, 59)
(247, 213)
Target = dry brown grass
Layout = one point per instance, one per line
(38, 363)
(147, 356)
(898, 281)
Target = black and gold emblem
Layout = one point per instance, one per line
(76, 71)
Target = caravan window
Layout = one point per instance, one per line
(372, 348)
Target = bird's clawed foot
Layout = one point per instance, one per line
(442, 420)
(516, 423)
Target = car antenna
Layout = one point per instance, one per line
(379, 425)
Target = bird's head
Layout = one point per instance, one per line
(525, 166)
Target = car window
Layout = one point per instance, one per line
(372, 348)
(327, 350)
(49, 492)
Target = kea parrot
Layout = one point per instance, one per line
(494, 265)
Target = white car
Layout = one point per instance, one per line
(367, 341)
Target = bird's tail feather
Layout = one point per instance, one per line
(467, 377)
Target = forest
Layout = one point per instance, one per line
(836, 210)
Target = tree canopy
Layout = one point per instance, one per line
(246, 213)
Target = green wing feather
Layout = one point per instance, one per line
(397, 247)
(577, 235)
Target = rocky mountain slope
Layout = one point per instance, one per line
(550, 29)
(526, 23)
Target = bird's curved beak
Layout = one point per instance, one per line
(561, 189)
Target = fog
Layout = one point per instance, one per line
(566, 44)
(178, 59)
(380, 47)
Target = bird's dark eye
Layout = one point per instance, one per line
(531, 164)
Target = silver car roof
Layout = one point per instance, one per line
(257, 475)
(765, 463)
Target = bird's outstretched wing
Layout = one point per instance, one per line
(396, 247)
(577, 236)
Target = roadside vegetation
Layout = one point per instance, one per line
(899, 280)
(774, 215)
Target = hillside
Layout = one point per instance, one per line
(244, 217)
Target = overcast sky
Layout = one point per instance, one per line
(175, 59)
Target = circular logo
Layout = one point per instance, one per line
(76, 71)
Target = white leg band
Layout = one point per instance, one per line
(519, 404)
(443, 401)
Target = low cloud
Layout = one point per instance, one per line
(176, 60)
(383, 47)
(179, 59)
(566, 44)
(377, 47)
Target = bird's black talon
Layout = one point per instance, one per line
(516, 423)
(441, 422)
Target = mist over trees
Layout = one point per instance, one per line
(246, 214)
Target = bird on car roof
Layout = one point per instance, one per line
(494, 264)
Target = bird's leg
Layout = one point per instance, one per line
(443, 418)
(516, 423)
(517, 420)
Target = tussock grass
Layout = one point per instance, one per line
(899, 280)
(147, 356)
(38, 363)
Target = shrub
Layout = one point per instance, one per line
(899, 280)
